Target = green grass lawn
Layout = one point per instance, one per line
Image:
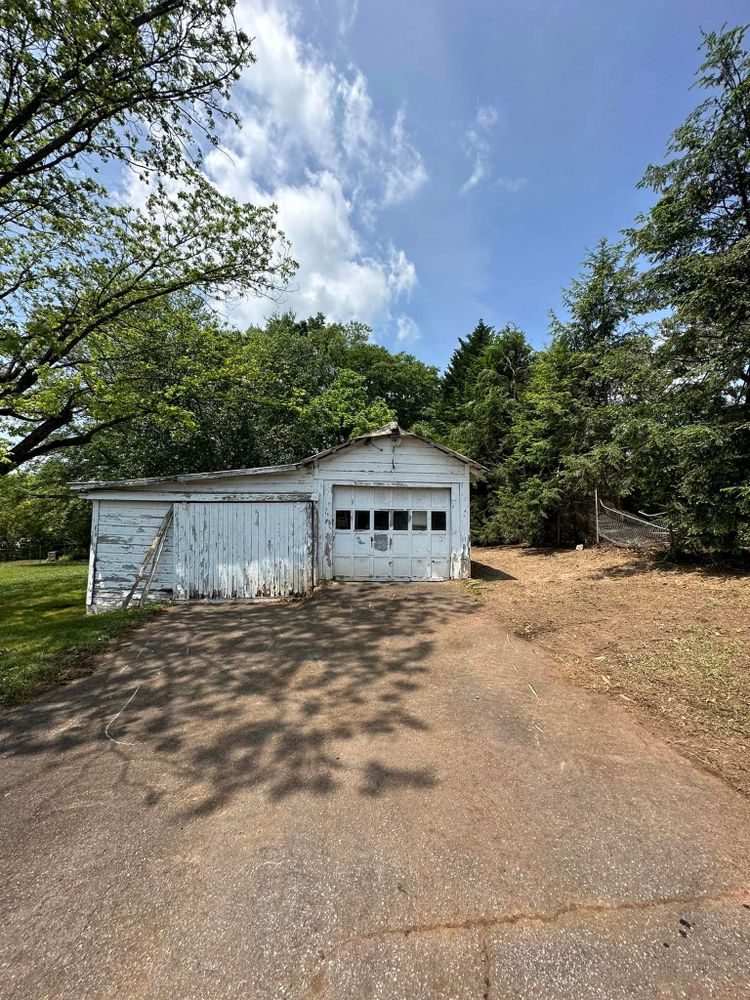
(46, 637)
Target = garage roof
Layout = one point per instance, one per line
(389, 430)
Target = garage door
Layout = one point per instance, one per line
(391, 534)
(239, 551)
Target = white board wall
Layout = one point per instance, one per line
(127, 519)
(124, 531)
(245, 551)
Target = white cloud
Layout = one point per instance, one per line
(478, 173)
(405, 173)
(407, 331)
(479, 151)
(348, 10)
(402, 273)
(339, 277)
(487, 116)
(477, 145)
(313, 143)
(357, 133)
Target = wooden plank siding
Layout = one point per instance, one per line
(125, 530)
(92, 553)
(394, 463)
(242, 551)
(128, 517)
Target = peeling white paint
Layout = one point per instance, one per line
(242, 551)
(270, 533)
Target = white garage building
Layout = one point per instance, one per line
(388, 505)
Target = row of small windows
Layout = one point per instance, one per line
(398, 520)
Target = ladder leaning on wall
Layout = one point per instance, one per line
(150, 562)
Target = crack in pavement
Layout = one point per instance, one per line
(484, 924)
(490, 923)
(486, 968)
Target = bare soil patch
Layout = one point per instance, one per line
(671, 642)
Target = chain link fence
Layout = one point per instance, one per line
(645, 531)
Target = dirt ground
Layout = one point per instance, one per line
(670, 642)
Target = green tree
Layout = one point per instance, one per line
(484, 421)
(460, 375)
(696, 239)
(697, 234)
(81, 88)
(37, 510)
(408, 386)
(269, 396)
(588, 385)
(344, 409)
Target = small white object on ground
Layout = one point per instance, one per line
(106, 730)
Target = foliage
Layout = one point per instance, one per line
(477, 412)
(269, 396)
(344, 408)
(696, 239)
(577, 396)
(697, 235)
(111, 359)
(47, 637)
(81, 91)
(488, 405)
(36, 509)
(195, 395)
(656, 415)
(128, 84)
(461, 374)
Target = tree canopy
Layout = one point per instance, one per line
(83, 92)
(643, 390)
(270, 395)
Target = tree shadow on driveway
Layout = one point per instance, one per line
(284, 698)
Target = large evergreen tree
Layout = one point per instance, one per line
(697, 235)
(697, 241)
(461, 373)
(581, 389)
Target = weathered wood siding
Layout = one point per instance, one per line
(242, 551)
(406, 460)
(128, 518)
(395, 462)
(301, 483)
(125, 529)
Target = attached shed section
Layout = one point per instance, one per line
(242, 550)
(388, 505)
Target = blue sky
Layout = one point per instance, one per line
(435, 162)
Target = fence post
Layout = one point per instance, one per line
(596, 513)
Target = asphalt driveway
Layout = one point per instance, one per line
(373, 793)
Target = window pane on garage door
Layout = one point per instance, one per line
(393, 548)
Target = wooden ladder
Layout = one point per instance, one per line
(150, 561)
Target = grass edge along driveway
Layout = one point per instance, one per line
(46, 637)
